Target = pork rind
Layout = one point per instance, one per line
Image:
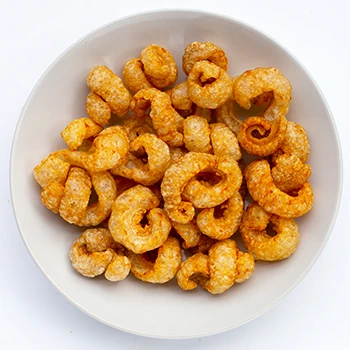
(188, 232)
(197, 134)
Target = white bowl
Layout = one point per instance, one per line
(165, 310)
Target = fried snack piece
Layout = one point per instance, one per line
(253, 83)
(95, 253)
(110, 148)
(209, 86)
(290, 173)
(175, 179)
(97, 109)
(203, 245)
(110, 88)
(180, 98)
(159, 66)
(163, 269)
(197, 134)
(205, 113)
(223, 221)
(225, 114)
(259, 243)
(260, 137)
(134, 76)
(263, 190)
(295, 142)
(176, 153)
(263, 99)
(135, 126)
(78, 130)
(51, 196)
(208, 51)
(204, 195)
(125, 222)
(158, 161)
(166, 121)
(123, 184)
(224, 141)
(188, 232)
(216, 272)
(74, 205)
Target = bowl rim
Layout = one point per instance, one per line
(176, 12)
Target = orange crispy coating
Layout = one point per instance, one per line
(123, 184)
(226, 115)
(97, 109)
(227, 223)
(263, 190)
(197, 134)
(203, 245)
(164, 268)
(204, 195)
(104, 83)
(136, 126)
(208, 51)
(205, 113)
(125, 222)
(188, 232)
(209, 86)
(253, 83)
(260, 137)
(166, 121)
(176, 153)
(51, 196)
(180, 98)
(78, 130)
(259, 243)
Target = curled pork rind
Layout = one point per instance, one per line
(166, 121)
(204, 195)
(263, 190)
(188, 232)
(180, 98)
(290, 173)
(163, 269)
(134, 76)
(110, 88)
(51, 196)
(175, 179)
(110, 148)
(218, 271)
(208, 51)
(259, 243)
(125, 222)
(136, 126)
(209, 86)
(97, 109)
(224, 225)
(78, 130)
(159, 66)
(224, 141)
(74, 205)
(253, 83)
(158, 161)
(261, 137)
(176, 153)
(203, 245)
(95, 253)
(295, 142)
(197, 134)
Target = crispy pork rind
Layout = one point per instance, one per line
(136, 126)
(259, 243)
(197, 134)
(188, 232)
(125, 222)
(97, 109)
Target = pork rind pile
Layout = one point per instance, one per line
(170, 182)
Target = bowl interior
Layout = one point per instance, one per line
(165, 310)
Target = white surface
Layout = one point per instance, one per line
(34, 315)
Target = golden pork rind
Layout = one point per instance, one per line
(136, 126)
(78, 130)
(225, 224)
(295, 142)
(145, 173)
(74, 205)
(97, 109)
(166, 121)
(197, 134)
(95, 253)
(51, 196)
(109, 149)
(261, 137)
(198, 51)
(125, 222)
(110, 88)
(224, 141)
(176, 153)
(253, 83)
(180, 98)
(203, 245)
(216, 272)
(259, 243)
(290, 173)
(175, 179)
(263, 190)
(204, 195)
(188, 232)
(159, 66)
(209, 86)
(163, 269)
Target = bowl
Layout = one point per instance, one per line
(166, 311)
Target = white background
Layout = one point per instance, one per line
(34, 315)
